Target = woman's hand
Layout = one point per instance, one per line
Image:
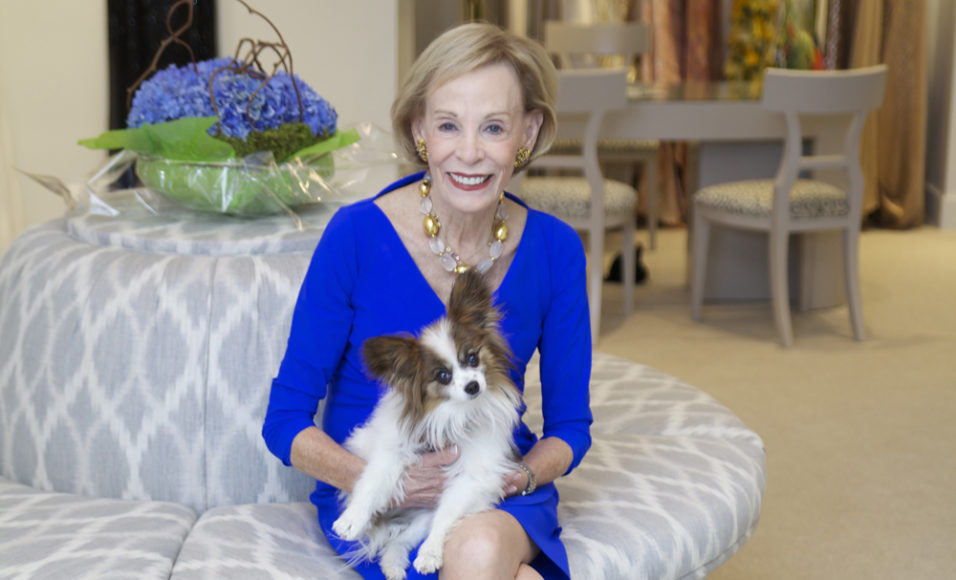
(516, 482)
(425, 481)
(548, 459)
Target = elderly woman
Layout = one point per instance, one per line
(476, 107)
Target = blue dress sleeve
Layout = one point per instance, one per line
(321, 323)
(565, 347)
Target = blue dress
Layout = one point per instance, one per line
(362, 282)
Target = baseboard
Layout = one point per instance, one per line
(940, 208)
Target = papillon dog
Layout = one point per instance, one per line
(447, 387)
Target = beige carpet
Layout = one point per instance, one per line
(860, 436)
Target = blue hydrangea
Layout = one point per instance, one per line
(178, 92)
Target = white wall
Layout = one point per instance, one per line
(54, 76)
(53, 80)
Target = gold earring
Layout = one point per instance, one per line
(521, 157)
(422, 150)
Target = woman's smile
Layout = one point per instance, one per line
(469, 182)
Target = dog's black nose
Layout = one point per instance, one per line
(472, 388)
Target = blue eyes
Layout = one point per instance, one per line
(493, 129)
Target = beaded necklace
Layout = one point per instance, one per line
(450, 260)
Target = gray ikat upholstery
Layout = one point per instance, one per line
(47, 535)
(136, 357)
(135, 362)
(260, 541)
(672, 486)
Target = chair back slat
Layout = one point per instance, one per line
(628, 39)
(824, 92)
(560, 162)
(822, 161)
(587, 90)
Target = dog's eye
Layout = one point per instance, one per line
(472, 359)
(443, 376)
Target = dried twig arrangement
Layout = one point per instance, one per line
(249, 64)
(174, 38)
(246, 60)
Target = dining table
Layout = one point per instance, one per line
(734, 137)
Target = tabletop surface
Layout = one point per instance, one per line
(695, 91)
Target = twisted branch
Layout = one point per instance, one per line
(250, 64)
(174, 37)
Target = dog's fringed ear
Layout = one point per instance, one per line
(393, 359)
(470, 301)
(399, 363)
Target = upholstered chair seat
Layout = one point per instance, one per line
(808, 198)
(570, 197)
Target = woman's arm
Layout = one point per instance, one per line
(318, 455)
(321, 323)
(565, 350)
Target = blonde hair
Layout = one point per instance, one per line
(464, 49)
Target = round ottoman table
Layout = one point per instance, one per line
(136, 355)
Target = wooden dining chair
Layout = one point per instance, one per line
(585, 199)
(791, 203)
(614, 45)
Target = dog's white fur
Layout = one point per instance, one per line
(477, 410)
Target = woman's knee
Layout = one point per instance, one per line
(477, 541)
(489, 544)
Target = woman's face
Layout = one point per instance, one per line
(473, 126)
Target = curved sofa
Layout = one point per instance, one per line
(135, 361)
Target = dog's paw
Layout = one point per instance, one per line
(392, 571)
(429, 558)
(348, 526)
(394, 562)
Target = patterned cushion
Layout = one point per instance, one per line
(279, 540)
(627, 511)
(119, 363)
(570, 197)
(54, 535)
(634, 399)
(808, 198)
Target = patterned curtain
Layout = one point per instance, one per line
(894, 139)
(136, 30)
(687, 46)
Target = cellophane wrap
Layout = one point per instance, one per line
(249, 187)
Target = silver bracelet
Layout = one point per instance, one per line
(532, 484)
